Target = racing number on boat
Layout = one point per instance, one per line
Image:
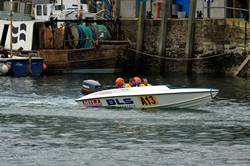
(148, 100)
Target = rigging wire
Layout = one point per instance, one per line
(177, 59)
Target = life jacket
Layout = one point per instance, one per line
(142, 85)
(145, 85)
(128, 86)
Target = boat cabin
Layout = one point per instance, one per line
(64, 10)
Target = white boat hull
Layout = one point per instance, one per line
(149, 97)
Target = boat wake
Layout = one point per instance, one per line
(35, 101)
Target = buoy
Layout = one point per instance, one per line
(44, 67)
(4, 69)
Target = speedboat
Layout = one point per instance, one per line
(160, 96)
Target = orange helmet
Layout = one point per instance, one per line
(119, 82)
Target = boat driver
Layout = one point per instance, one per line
(130, 83)
(145, 82)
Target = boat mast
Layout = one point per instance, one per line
(61, 5)
(11, 26)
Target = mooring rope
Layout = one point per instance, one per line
(177, 59)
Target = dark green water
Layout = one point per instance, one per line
(40, 124)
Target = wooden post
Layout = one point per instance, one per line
(249, 10)
(163, 33)
(117, 8)
(208, 9)
(234, 6)
(116, 16)
(11, 27)
(30, 65)
(62, 7)
(190, 36)
(140, 32)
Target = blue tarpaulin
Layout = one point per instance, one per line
(109, 7)
(184, 5)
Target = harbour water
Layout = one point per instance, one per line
(41, 124)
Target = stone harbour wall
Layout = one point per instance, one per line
(225, 41)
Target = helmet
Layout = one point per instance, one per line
(119, 82)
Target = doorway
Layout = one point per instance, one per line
(4, 35)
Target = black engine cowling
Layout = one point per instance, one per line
(90, 86)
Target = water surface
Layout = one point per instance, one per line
(41, 124)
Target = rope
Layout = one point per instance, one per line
(177, 59)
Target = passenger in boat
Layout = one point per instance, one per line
(119, 83)
(130, 83)
(136, 81)
(145, 82)
(3, 52)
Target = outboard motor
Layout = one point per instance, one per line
(90, 86)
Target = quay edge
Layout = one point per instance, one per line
(226, 41)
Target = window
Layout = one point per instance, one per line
(15, 6)
(59, 7)
(45, 10)
(38, 10)
(28, 8)
(84, 1)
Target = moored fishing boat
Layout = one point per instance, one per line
(15, 38)
(149, 97)
(68, 38)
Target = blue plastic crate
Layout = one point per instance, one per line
(184, 5)
(37, 66)
(19, 67)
